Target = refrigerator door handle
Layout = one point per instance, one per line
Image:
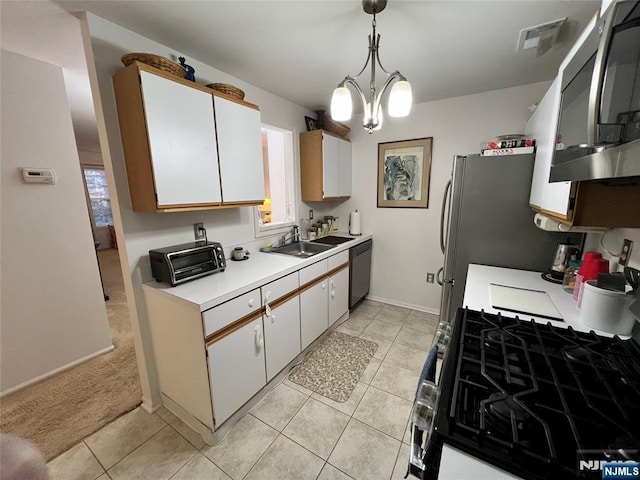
(440, 277)
(445, 202)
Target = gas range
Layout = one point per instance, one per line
(533, 399)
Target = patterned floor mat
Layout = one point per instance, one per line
(334, 368)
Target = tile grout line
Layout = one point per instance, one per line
(138, 447)
(96, 457)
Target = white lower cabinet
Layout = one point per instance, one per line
(338, 294)
(211, 363)
(281, 335)
(314, 311)
(236, 368)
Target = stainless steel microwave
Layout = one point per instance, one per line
(598, 134)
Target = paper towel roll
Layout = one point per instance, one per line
(355, 223)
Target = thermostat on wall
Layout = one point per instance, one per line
(38, 175)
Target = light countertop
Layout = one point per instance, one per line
(243, 276)
(477, 295)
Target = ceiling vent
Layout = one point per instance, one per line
(541, 37)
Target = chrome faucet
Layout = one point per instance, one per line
(295, 236)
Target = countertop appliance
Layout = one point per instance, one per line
(565, 252)
(531, 399)
(359, 272)
(181, 263)
(598, 133)
(486, 219)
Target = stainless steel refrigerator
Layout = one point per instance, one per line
(486, 219)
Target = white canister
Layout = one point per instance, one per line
(606, 310)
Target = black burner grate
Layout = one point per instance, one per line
(528, 397)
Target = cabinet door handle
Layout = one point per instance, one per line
(273, 318)
(333, 293)
(251, 302)
(324, 285)
(267, 310)
(259, 336)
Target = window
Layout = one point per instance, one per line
(98, 193)
(278, 209)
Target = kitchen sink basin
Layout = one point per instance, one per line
(332, 240)
(302, 249)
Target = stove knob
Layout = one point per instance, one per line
(427, 391)
(425, 405)
(442, 337)
(423, 413)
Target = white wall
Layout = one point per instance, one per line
(612, 241)
(406, 242)
(145, 231)
(90, 158)
(53, 313)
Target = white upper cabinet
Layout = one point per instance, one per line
(325, 166)
(240, 149)
(549, 197)
(186, 147)
(330, 166)
(345, 169)
(180, 127)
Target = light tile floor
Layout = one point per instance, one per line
(292, 434)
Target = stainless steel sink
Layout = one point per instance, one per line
(302, 249)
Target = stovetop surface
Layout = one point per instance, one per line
(534, 399)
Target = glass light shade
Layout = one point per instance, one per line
(400, 99)
(341, 104)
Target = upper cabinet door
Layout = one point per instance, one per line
(181, 131)
(550, 197)
(240, 149)
(345, 168)
(330, 166)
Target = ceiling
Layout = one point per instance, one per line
(301, 49)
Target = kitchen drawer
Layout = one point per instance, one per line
(338, 260)
(312, 272)
(219, 317)
(279, 288)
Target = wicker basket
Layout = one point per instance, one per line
(332, 126)
(227, 89)
(157, 61)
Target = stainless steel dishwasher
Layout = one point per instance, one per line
(360, 272)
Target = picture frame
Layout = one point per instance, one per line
(404, 169)
(312, 123)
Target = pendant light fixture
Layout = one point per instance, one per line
(400, 97)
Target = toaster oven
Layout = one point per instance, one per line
(181, 263)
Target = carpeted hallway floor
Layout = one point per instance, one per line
(60, 411)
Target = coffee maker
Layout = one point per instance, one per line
(565, 252)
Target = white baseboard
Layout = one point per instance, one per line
(56, 371)
(151, 404)
(419, 308)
